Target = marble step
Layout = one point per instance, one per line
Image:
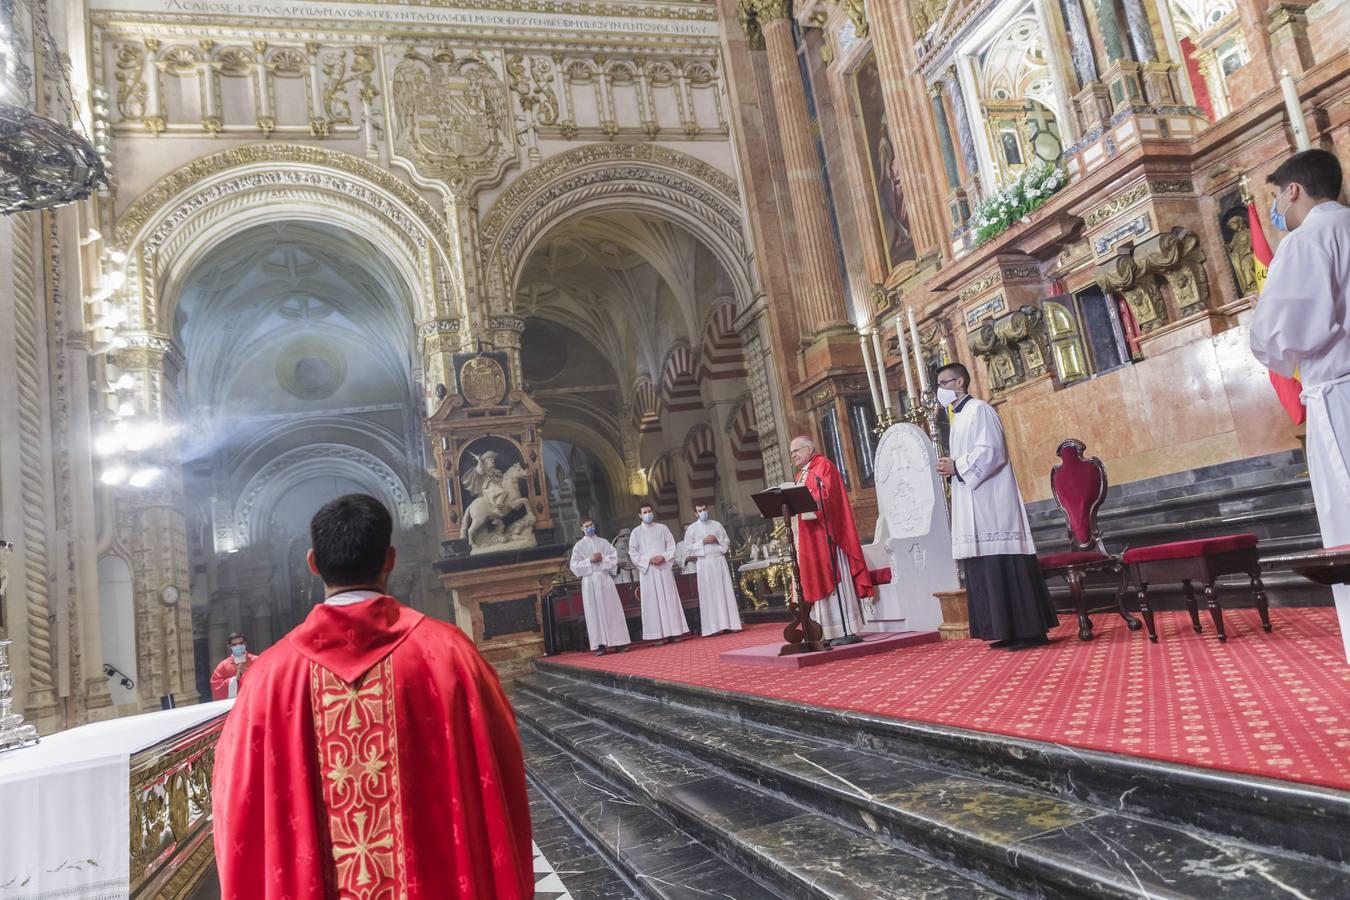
(1027, 841)
(797, 853)
(585, 872)
(659, 860)
(1299, 818)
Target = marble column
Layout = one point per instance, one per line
(944, 133)
(963, 130)
(1080, 40)
(821, 292)
(1141, 31)
(1290, 47)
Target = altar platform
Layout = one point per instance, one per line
(1274, 705)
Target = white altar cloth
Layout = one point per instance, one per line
(65, 806)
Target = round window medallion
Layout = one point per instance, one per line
(310, 369)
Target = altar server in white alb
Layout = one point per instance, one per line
(594, 561)
(651, 546)
(705, 548)
(1009, 602)
(1302, 325)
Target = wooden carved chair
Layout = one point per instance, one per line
(1079, 485)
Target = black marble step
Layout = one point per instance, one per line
(796, 852)
(1027, 841)
(585, 872)
(660, 860)
(1288, 816)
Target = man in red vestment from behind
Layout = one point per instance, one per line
(371, 752)
(833, 524)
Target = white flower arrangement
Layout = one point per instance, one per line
(1015, 200)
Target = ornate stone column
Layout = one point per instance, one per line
(948, 148)
(1092, 104)
(821, 294)
(963, 131)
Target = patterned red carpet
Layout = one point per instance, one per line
(1265, 704)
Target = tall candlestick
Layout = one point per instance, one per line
(881, 369)
(904, 364)
(918, 350)
(1295, 110)
(871, 376)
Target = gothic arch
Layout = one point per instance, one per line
(646, 178)
(168, 229)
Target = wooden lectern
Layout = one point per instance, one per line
(803, 634)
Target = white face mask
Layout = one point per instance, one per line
(238, 650)
(947, 396)
(703, 516)
(647, 518)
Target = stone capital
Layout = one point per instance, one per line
(769, 10)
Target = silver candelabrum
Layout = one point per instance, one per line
(13, 732)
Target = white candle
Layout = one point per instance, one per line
(871, 376)
(881, 368)
(918, 351)
(904, 363)
(1295, 110)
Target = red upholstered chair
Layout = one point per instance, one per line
(1079, 485)
(1204, 560)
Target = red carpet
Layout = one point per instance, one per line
(1275, 704)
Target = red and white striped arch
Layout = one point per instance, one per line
(679, 388)
(661, 490)
(723, 357)
(745, 447)
(646, 406)
(701, 456)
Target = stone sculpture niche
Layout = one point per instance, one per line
(1170, 263)
(490, 459)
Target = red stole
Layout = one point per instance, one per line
(813, 552)
(371, 754)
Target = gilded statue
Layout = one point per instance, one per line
(1240, 253)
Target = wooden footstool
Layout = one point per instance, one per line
(1205, 561)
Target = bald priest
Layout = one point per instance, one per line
(829, 554)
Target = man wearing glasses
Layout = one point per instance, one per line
(1009, 602)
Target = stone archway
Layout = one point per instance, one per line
(169, 227)
(646, 179)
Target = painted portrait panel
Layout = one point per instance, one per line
(887, 194)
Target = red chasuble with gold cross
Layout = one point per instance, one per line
(822, 479)
(371, 755)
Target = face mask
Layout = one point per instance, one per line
(590, 531)
(703, 516)
(238, 651)
(647, 518)
(946, 396)
(1277, 217)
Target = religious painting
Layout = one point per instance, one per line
(888, 196)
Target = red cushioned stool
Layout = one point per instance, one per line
(1079, 485)
(1204, 560)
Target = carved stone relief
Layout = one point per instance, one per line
(1172, 260)
(1015, 348)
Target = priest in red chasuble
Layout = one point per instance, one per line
(371, 753)
(831, 528)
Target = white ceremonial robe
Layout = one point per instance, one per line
(988, 516)
(826, 611)
(716, 594)
(1302, 324)
(606, 625)
(662, 614)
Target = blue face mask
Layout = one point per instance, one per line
(647, 518)
(238, 651)
(590, 531)
(1277, 217)
(703, 516)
